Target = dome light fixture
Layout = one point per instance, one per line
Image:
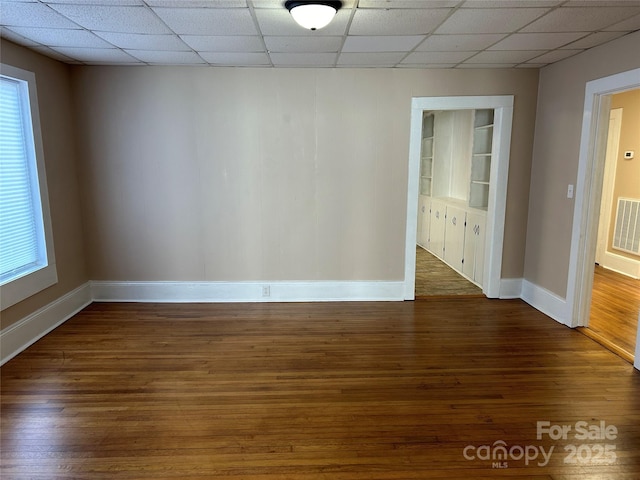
(313, 14)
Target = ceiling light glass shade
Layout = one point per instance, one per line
(313, 15)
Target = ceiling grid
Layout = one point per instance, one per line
(364, 33)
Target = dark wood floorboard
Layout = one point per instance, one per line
(368, 391)
(615, 304)
(436, 278)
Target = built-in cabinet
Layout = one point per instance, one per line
(455, 175)
(455, 233)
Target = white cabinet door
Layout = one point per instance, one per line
(454, 237)
(419, 220)
(436, 229)
(424, 203)
(426, 221)
(473, 266)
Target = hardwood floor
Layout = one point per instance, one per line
(615, 304)
(369, 391)
(436, 278)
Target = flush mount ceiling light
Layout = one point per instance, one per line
(313, 14)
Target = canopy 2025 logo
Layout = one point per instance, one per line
(500, 453)
(584, 453)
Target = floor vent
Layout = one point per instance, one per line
(626, 236)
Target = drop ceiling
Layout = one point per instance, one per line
(364, 33)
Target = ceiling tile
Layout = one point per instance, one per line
(268, 3)
(208, 21)
(303, 44)
(437, 57)
(14, 37)
(223, 43)
(113, 19)
(136, 41)
(236, 59)
(303, 59)
(452, 43)
(197, 3)
(510, 3)
(390, 22)
(370, 59)
(139, 3)
(386, 43)
(97, 55)
(62, 37)
(536, 41)
(166, 58)
(509, 56)
(580, 19)
(33, 15)
(474, 20)
(486, 65)
(554, 56)
(49, 52)
(593, 40)
(406, 3)
(430, 65)
(279, 4)
(629, 25)
(602, 3)
(278, 22)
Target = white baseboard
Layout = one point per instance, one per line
(179, 292)
(510, 288)
(624, 265)
(547, 302)
(17, 337)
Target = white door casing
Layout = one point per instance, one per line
(595, 118)
(613, 142)
(503, 115)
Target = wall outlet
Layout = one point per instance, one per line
(266, 290)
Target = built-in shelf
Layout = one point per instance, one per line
(481, 159)
(426, 154)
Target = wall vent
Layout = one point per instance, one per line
(626, 236)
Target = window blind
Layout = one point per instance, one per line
(21, 230)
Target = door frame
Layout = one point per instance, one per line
(584, 234)
(608, 180)
(503, 117)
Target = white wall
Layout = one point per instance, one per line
(222, 174)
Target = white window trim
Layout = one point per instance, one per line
(24, 287)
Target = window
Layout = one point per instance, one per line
(27, 263)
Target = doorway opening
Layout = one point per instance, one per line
(589, 193)
(615, 296)
(492, 192)
(455, 160)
